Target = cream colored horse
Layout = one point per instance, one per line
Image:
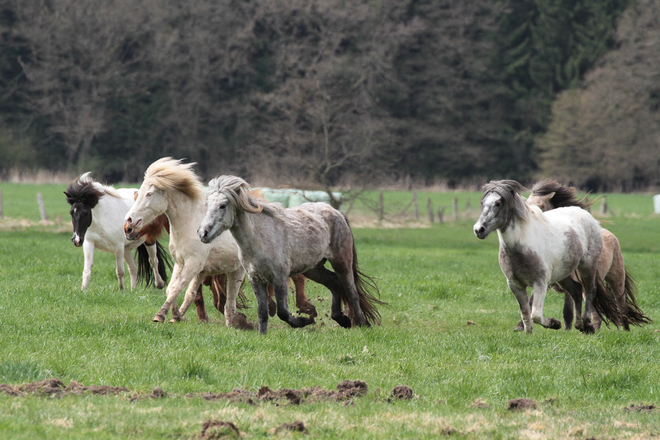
(173, 189)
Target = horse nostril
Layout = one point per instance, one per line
(129, 220)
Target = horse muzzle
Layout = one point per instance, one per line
(480, 231)
(132, 231)
(77, 240)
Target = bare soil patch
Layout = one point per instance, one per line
(521, 404)
(217, 429)
(640, 408)
(402, 392)
(56, 388)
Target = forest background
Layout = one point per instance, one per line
(334, 92)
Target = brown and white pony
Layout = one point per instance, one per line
(549, 194)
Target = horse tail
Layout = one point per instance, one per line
(145, 274)
(165, 262)
(366, 289)
(633, 314)
(607, 305)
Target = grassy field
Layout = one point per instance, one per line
(446, 333)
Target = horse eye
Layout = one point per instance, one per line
(222, 205)
(149, 194)
(498, 203)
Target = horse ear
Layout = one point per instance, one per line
(65, 193)
(548, 197)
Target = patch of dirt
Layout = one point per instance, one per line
(240, 322)
(521, 404)
(55, 387)
(297, 426)
(217, 429)
(640, 408)
(346, 391)
(402, 392)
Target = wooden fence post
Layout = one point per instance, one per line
(415, 205)
(603, 206)
(381, 207)
(455, 207)
(441, 213)
(429, 208)
(42, 208)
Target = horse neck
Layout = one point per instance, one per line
(184, 215)
(245, 233)
(109, 212)
(514, 233)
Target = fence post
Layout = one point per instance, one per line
(381, 207)
(429, 208)
(415, 205)
(603, 206)
(42, 208)
(455, 207)
(441, 212)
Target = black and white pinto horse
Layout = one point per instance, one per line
(97, 212)
(277, 243)
(540, 248)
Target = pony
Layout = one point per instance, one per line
(538, 249)
(278, 242)
(549, 194)
(96, 213)
(173, 189)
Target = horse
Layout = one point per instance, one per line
(549, 194)
(172, 188)
(278, 242)
(96, 213)
(538, 249)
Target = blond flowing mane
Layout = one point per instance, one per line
(170, 175)
(238, 190)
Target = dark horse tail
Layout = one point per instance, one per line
(145, 274)
(607, 305)
(367, 290)
(632, 313)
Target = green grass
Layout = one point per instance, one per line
(435, 280)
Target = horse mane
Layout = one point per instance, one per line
(170, 175)
(238, 190)
(564, 195)
(514, 204)
(85, 190)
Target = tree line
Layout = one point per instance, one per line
(325, 92)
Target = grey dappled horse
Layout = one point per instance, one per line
(278, 242)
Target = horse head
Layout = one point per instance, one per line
(500, 204)
(83, 194)
(163, 178)
(226, 196)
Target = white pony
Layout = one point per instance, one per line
(97, 212)
(537, 249)
(172, 188)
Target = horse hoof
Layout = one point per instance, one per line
(159, 318)
(344, 321)
(588, 329)
(554, 324)
(308, 309)
(520, 327)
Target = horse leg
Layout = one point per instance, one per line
(260, 292)
(119, 270)
(199, 306)
(88, 252)
(232, 317)
(330, 280)
(520, 292)
(538, 291)
(132, 267)
(191, 293)
(153, 260)
(272, 307)
(572, 302)
(281, 287)
(521, 326)
(181, 277)
(302, 301)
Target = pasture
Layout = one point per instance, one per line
(446, 333)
